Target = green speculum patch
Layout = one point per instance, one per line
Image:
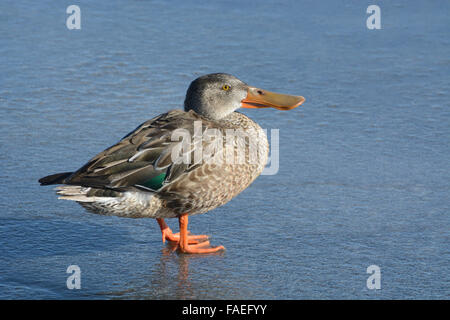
(156, 182)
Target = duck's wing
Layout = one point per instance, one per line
(143, 158)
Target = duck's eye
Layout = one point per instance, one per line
(226, 87)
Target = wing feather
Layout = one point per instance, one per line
(143, 158)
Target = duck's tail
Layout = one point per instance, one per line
(57, 178)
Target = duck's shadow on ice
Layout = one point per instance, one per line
(175, 276)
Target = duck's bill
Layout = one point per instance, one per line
(258, 98)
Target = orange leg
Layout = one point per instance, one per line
(167, 234)
(184, 245)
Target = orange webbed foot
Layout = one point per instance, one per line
(168, 235)
(184, 241)
(186, 247)
(200, 248)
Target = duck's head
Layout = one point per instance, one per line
(217, 95)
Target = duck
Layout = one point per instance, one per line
(180, 163)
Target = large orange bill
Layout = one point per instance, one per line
(258, 98)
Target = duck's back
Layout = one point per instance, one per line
(175, 163)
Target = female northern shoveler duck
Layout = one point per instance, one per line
(139, 177)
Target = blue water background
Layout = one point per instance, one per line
(364, 164)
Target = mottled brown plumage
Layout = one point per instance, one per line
(146, 153)
(141, 175)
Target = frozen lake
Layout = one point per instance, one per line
(364, 173)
